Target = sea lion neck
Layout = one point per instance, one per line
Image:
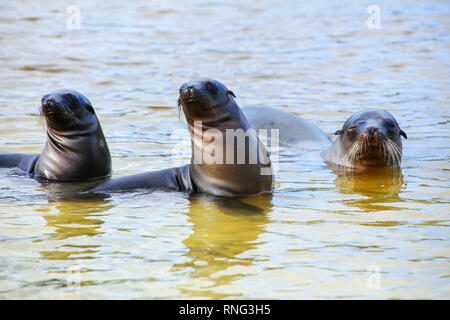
(74, 155)
(228, 116)
(63, 141)
(58, 142)
(82, 129)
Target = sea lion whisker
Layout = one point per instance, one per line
(360, 147)
(349, 157)
(393, 156)
(63, 112)
(179, 108)
(351, 154)
(41, 110)
(389, 153)
(399, 152)
(386, 154)
(342, 158)
(394, 152)
(346, 159)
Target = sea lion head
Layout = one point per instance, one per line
(76, 147)
(67, 110)
(204, 98)
(371, 138)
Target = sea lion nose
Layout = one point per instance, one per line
(187, 91)
(44, 99)
(48, 101)
(371, 131)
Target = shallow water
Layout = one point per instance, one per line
(319, 235)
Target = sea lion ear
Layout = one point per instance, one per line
(231, 93)
(403, 133)
(338, 132)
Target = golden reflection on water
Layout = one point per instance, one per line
(222, 230)
(379, 188)
(70, 219)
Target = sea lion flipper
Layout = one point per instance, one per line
(23, 161)
(173, 179)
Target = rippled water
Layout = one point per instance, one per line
(320, 235)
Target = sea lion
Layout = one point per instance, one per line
(293, 130)
(227, 157)
(75, 149)
(368, 139)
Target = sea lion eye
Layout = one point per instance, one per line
(211, 88)
(352, 128)
(90, 109)
(387, 121)
(70, 100)
(231, 93)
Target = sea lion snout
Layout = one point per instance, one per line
(372, 134)
(189, 93)
(65, 109)
(56, 100)
(371, 131)
(50, 107)
(50, 102)
(57, 109)
(44, 99)
(203, 87)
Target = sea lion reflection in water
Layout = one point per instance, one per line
(227, 157)
(75, 149)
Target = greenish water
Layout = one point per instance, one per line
(319, 235)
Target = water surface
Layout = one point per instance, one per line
(319, 235)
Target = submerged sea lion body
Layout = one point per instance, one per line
(75, 149)
(293, 130)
